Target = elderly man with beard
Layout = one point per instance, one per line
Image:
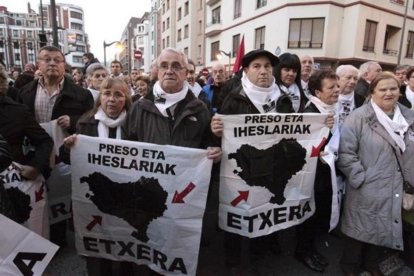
(348, 100)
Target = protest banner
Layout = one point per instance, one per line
(23, 252)
(139, 202)
(268, 170)
(59, 181)
(29, 199)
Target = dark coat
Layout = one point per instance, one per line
(403, 98)
(16, 122)
(5, 156)
(362, 87)
(73, 100)
(358, 100)
(190, 126)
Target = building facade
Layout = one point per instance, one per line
(334, 32)
(20, 34)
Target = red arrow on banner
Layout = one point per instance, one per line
(315, 151)
(96, 220)
(243, 195)
(39, 194)
(179, 197)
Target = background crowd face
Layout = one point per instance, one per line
(97, 77)
(134, 75)
(51, 64)
(171, 71)
(329, 92)
(347, 81)
(142, 88)
(306, 63)
(191, 74)
(410, 81)
(116, 68)
(401, 75)
(386, 94)
(373, 70)
(218, 71)
(260, 72)
(288, 76)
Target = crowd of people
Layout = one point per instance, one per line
(171, 105)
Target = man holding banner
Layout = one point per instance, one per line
(245, 208)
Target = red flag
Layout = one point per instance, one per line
(240, 55)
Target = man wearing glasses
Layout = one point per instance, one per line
(54, 96)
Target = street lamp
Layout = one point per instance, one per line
(228, 55)
(107, 45)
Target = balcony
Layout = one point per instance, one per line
(211, 2)
(390, 52)
(213, 28)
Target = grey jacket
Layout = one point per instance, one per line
(372, 206)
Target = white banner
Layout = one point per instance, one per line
(268, 171)
(139, 202)
(23, 252)
(29, 197)
(59, 181)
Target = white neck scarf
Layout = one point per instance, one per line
(396, 128)
(410, 95)
(264, 99)
(305, 86)
(344, 107)
(294, 95)
(105, 123)
(196, 89)
(321, 106)
(164, 100)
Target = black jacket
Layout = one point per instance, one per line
(362, 87)
(189, 127)
(16, 122)
(403, 98)
(73, 101)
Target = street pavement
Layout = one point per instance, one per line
(211, 258)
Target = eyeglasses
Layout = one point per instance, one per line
(55, 60)
(175, 66)
(190, 71)
(115, 95)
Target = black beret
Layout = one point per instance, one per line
(252, 55)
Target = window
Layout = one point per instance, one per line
(179, 14)
(17, 57)
(369, 38)
(76, 15)
(1, 20)
(168, 5)
(76, 26)
(30, 34)
(260, 3)
(1, 43)
(77, 59)
(31, 57)
(237, 9)
(163, 8)
(30, 45)
(186, 51)
(163, 43)
(15, 33)
(410, 45)
(306, 33)
(200, 26)
(80, 48)
(259, 38)
(168, 41)
(1, 55)
(179, 35)
(215, 15)
(186, 8)
(236, 44)
(215, 50)
(79, 37)
(168, 23)
(186, 31)
(18, 22)
(163, 26)
(15, 44)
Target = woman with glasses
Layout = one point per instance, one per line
(105, 121)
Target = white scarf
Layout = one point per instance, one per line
(105, 123)
(164, 100)
(294, 95)
(410, 95)
(344, 107)
(264, 99)
(396, 128)
(321, 106)
(305, 86)
(196, 89)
